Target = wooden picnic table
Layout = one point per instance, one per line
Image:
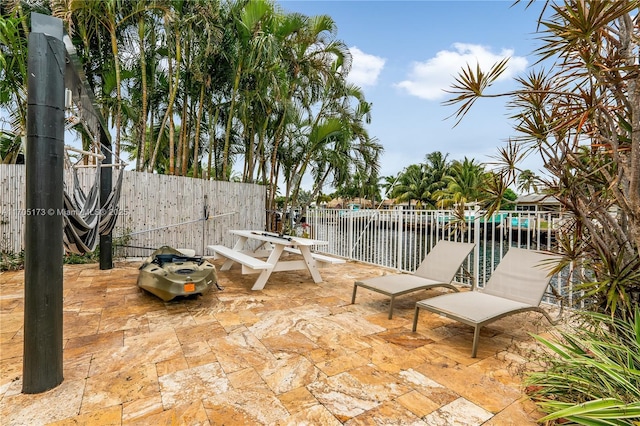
(271, 247)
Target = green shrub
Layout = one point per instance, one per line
(10, 261)
(591, 375)
(77, 259)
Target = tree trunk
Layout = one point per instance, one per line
(227, 134)
(196, 142)
(173, 90)
(142, 142)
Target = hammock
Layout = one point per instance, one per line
(84, 219)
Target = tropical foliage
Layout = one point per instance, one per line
(207, 88)
(591, 374)
(440, 183)
(581, 115)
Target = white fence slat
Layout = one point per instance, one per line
(150, 201)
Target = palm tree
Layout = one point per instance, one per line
(465, 184)
(589, 93)
(413, 185)
(103, 20)
(388, 184)
(527, 181)
(13, 82)
(437, 168)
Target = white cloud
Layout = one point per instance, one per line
(429, 79)
(365, 68)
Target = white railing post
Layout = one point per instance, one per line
(476, 249)
(350, 237)
(400, 227)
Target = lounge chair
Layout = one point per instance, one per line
(436, 270)
(516, 285)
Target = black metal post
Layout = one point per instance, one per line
(106, 243)
(42, 356)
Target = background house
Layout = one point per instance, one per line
(537, 203)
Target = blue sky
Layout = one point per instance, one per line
(406, 52)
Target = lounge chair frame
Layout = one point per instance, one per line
(464, 307)
(437, 269)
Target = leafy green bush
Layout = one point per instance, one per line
(77, 259)
(10, 261)
(591, 375)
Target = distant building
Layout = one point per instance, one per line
(537, 203)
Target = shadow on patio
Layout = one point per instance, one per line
(294, 353)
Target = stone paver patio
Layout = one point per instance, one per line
(294, 353)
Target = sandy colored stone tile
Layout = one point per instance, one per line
(342, 363)
(229, 320)
(77, 367)
(350, 394)
(13, 346)
(10, 372)
(244, 407)
(293, 342)
(10, 302)
(458, 413)
(299, 399)
(171, 365)
(355, 324)
(207, 314)
(111, 416)
(168, 320)
(239, 350)
(433, 390)
(115, 322)
(142, 407)
(47, 407)
(275, 323)
(247, 378)
(143, 329)
(283, 375)
(80, 323)
(198, 353)
(404, 338)
(387, 413)
(91, 343)
(390, 357)
(507, 371)
(191, 413)
(391, 371)
(164, 418)
(319, 328)
(417, 403)
(120, 387)
(143, 348)
(314, 415)
(11, 322)
(335, 344)
(472, 384)
(192, 384)
(199, 332)
(522, 412)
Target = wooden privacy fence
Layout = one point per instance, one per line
(155, 210)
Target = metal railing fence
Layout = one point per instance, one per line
(400, 239)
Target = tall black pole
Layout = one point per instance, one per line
(106, 248)
(42, 357)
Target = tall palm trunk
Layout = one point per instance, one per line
(212, 139)
(180, 168)
(196, 142)
(173, 90)
(142, 141)
(227, 134)
(116, 64)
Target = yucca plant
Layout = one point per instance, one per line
(591, 373)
